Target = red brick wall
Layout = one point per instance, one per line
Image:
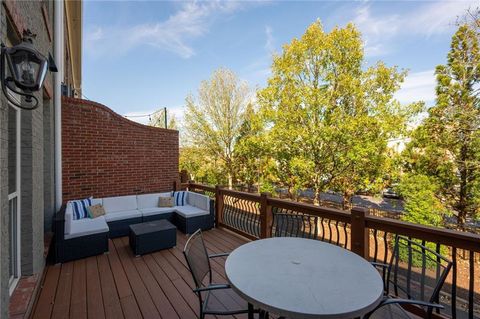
(105, 154)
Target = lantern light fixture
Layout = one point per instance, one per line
(27, 69)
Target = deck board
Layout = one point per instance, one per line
(111, 301)
(119, 285)
(61, 306)
(95, 307)
(78, 306)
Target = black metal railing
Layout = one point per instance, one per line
(372, 237)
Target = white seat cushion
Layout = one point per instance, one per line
(156, 211)
(114, 216)
(87, 226)
(120, 203)
(190, 211)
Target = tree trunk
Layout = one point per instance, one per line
(230, 181)
(462, 201)
(316, 197)
(347, 200)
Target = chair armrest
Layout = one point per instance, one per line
(218, 255)
(212, 287)
(400, 301)
(379, 265)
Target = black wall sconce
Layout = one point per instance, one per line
(27, 70)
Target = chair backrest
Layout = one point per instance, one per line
(197, 258)
(416, 271)
(294, 225)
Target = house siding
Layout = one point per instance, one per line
(36, 166)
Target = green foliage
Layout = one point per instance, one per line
(415, 255)
(329, 119)
(213, 121)
(446, 147)
(421, 204)
(421, 207)
(251, 149)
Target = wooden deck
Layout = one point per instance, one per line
(120, 285)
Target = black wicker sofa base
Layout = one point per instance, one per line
(96, 244)
(78, 247)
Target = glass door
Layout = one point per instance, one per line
(14, 195)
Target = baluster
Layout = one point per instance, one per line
(323, 229)
(424, 267)
(437, 249)
(471, 286)
(409, 268)
(375, 245)
(454, 283)
(329, 230)
(338, 232)
(346, 235)
(218, 206)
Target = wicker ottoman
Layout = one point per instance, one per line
(152, 236)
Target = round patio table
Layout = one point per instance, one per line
(304, 278)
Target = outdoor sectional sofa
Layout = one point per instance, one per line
(85, 237)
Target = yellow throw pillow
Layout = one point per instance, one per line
(165, 202)
(96, 211)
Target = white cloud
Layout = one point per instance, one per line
(270, 41)
(379, 29)
(192, 20)
(418, 86)
(437, 17)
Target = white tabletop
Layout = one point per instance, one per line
(304, 278)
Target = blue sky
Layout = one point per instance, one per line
(141, 56)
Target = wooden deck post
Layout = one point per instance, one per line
(265, 216)
(218, 206)
(176, 186)
(359, 233)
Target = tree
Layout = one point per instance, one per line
(213, 120)
(251, 149)
(157, 119)
(422, 206)
(447, 145)
(200, 166)
(421, 203)
(329, 119)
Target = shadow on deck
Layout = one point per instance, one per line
(120, 285)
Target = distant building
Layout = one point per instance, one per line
(398, 144)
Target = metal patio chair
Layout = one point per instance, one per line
(414, 277)
(198, 261)
(294, 225)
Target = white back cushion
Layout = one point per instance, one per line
(198, 200)
(68, 218)
(120, 203)
(96, 201)
(147, 200)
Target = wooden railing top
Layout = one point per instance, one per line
(325, 212)
(240, 194)
(202, 187)
(454, 238)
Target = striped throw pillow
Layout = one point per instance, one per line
(179, 198)
(80, 208)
